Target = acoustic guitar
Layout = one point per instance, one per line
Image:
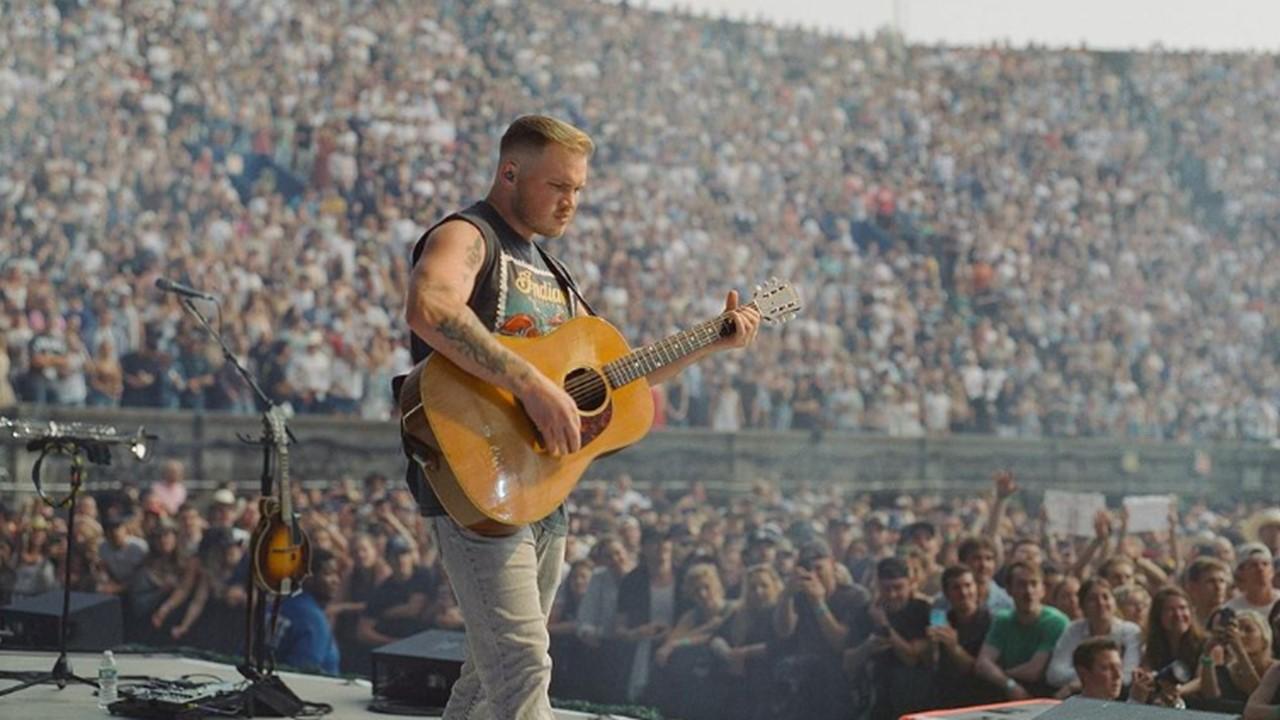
(281, 549)
(480, 451)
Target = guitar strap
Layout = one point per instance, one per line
(563, 276)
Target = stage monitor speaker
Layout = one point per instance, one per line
(1078, 708)
(95, 621)
(419, 670)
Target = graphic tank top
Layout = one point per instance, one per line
(516, 293)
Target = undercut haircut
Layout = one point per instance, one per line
(536, 132)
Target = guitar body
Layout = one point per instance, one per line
(480, 449)
(279, 564)
(281, 557)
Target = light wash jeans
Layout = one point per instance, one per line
(505, 587)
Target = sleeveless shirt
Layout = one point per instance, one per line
(515, 293)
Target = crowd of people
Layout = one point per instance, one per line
(808, 604)
(1023, 242)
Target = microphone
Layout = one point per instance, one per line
(168, 285)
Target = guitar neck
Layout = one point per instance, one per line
(651, 358)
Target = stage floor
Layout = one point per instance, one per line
(350, 699)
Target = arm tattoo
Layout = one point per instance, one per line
(472, 344)
(475, 254)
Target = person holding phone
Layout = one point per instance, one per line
(957, 637)
(1240, 646)
(812, 624)
(889, 641)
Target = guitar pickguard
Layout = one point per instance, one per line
(593, 425)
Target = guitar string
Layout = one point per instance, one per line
(591, 384)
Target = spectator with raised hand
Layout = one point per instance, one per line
(1099, 606)
(1240, 645)
(1018, 647)
(812, 622)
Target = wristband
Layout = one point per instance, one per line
(1010, 684)
(1206, 661)
(822, 609)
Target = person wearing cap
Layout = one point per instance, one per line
(812, 623)
(888, 639)
(1255, 574)
(922, 536)
(224, 511)
(878, 538)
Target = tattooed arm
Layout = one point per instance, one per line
(437, 311)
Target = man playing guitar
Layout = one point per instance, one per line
(477, 273)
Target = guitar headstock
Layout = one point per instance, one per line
(778, 301)
(276, 425)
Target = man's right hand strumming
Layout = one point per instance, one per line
(553, 413)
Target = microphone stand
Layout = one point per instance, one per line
(263, 682)
(61, 674)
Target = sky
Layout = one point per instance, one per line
(1249, 25)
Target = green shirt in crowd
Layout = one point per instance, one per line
(1017, 642)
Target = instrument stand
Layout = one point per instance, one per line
(61, 674)
(266, 691)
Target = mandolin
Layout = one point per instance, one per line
(480, 451)
(281, 550)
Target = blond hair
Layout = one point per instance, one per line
(535, 132)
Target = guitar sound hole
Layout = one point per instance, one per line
(587, 388)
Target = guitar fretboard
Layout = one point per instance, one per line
(651, 358)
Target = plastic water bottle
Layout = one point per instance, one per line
(108, 676)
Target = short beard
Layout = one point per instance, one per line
(526, 216)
